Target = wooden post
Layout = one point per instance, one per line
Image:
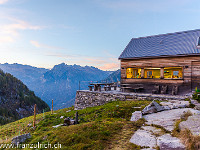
(162, 73)
(142, 73)
(52, 107)
(43, 113)
(76, 118)
(34, 118)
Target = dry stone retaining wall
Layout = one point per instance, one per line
(86, 99)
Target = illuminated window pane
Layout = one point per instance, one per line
(152, 72)
(149, 74)
(133, 73)
(173, 72)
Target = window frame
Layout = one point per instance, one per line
(136, 69)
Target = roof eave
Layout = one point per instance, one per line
(162, 56)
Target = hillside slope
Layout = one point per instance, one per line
(100, 127)
(16, 101)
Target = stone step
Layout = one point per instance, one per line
(130, 99)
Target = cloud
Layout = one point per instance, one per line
(103, 63)
(35, 43)
(110, 66)
(6, 39)
(107, 62)
(9, 32)
(3, 1)
(39, 45)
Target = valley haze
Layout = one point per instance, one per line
(59, 83)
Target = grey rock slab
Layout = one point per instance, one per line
(194, 102)
(148, 149)
(153, 130)
(174, 104)
(167, 118)
(143, 138)
(57, 126)
(193, 124)
(136, 116)
(153, 107)
(165, 103)
(167, 142)
(197, 106)
(166, 107)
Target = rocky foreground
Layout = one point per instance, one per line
(160, 123)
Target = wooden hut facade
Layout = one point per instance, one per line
(167, 63)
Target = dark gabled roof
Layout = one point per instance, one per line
(171, 44)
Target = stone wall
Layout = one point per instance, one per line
(90, 99)
(86, 99)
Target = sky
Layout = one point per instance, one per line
(44, 33)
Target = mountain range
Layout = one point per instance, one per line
(59, 83)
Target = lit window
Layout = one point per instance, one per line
(152, 72)
(173, 72)
(133, 73)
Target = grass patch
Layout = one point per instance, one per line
(98, 126)
(160, 127)
(184, 117)
(192, 142)
(121, 139)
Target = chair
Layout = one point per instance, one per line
(164, 89)
(175, 90)
(156, 89)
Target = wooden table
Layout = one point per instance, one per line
(97, 86)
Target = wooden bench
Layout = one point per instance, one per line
(115, 87)
(107, 88)
(90, 87)
(123, 88)
(138, 89)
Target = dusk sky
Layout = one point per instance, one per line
(44, 33)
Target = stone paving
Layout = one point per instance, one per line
(167, 118)
(152, 137)
(192, 123)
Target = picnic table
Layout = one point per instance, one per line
(97, 86)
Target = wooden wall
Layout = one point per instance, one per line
(195, 74)
(190, 65)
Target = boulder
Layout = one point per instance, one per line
(68, 122)
(20, 139)
(153, 107)
(136, 116)
(167, 142)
